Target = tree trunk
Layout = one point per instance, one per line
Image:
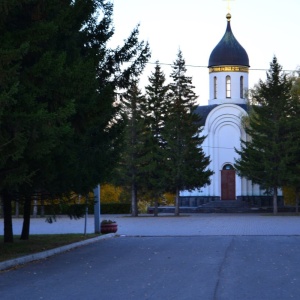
(177, 202)
(42, 207)
(35, 208)
(155, 206)
(1, 207)
(134, 208)
(26, 219)
(86, 213)
(275, 206)
(297, 201)
(7, 214)
(17, 212)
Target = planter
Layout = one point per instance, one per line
(109, 228)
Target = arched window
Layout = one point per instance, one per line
(215, 87)
(228, 167)
(228, 86)
(242, 87)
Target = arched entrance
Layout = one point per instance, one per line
(228, 183)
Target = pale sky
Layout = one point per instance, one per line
(263, 27)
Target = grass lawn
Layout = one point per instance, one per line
(38, 243)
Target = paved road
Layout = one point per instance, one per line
(168, 225)
(252, 257)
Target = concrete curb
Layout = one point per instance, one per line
(41, 255)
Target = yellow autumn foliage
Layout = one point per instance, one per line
(110, 193)
(169, 199)
(289, 195)
(166, 200)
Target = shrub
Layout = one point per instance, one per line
(143, 206)
(115, 208)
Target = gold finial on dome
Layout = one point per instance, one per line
(228, 17)
(228, 5)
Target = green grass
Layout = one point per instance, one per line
(38, 243)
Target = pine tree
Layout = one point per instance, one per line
(187, 163)
(264, 157)
(293, 178)
(98, 129)
(62, 121)
(155, 114)
(12, 141)
(33, 123)
(129, 170)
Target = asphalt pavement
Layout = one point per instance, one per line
(168, 225)
(205, 256)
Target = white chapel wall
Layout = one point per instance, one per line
(221, 87)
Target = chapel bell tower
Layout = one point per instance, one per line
(228, 70)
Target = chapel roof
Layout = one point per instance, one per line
(228, 51)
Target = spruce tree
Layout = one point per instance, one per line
(36, 119)
(264, 157)
(98, 128)
(186, 161)
(129, 169)
(155, 114)
(293, 178)
(12, 142)
(61, 123)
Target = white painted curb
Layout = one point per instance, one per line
(41, 255)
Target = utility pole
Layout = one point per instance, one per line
(97, 209)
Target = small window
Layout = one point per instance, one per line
(228, 86)
(215, 87)
(242, 87)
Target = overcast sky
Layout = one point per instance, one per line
(263, 27)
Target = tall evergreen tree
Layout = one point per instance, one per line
(36, 122)
(264, 157)
(129, 170)
(63, 118)
(187, 163)
(155, 114)
(293, 119)
(12, 141)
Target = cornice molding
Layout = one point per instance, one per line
(229, 69)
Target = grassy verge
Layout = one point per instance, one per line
(38, 243)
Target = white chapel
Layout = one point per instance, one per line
(228, 81)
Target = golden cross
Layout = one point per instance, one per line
(228, 4)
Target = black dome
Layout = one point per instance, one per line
(229, 51)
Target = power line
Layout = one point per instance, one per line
(227, 148)
(197, 66)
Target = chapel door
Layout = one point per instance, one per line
(228, 183)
